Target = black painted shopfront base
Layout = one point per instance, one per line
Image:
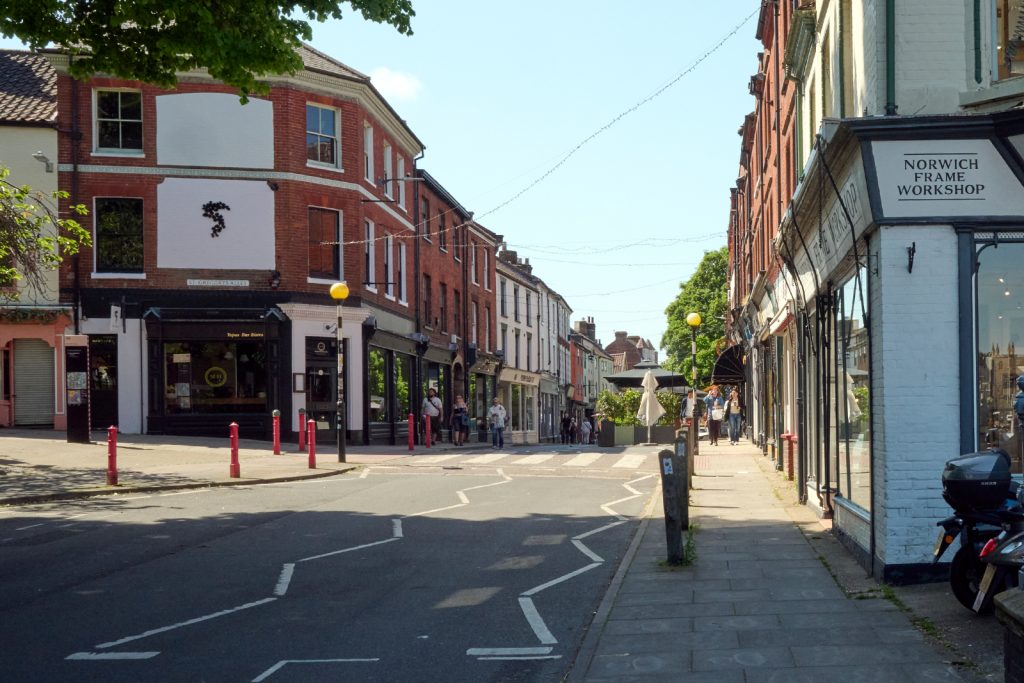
(250, 426)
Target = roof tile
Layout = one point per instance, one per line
(28, 88)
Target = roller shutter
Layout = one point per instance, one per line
(34, 389)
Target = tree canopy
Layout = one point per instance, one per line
(706, 293)
(33, 239)
(236, 41)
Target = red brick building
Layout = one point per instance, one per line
(218, 230)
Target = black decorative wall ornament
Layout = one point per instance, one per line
(212, 210)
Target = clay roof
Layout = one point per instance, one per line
(28, 89)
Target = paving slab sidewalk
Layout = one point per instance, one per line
(757, 604)
(40, 465)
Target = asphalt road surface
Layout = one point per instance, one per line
(471, 566)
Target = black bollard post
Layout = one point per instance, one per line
(685, 482)
(671, 490)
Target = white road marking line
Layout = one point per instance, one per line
(164, 629)
(607, 507)
(502, 473)
(347, 550)
(500, 651)
(396, 528)
(646, 476)
(487, 459)
(274, 669)
(631, 461)
(506, 659)
(427, 512)
(583, 459)
(30, 526)
(587, 551)
(485, 486)
(433, 459)
(534, 459)
(112, 655)
(560, 579)
(598, 530)
(365, 473)
(536, 623)
(462, 497)
(286, 577)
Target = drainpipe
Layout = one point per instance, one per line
(76, 136)
(977, 41)
(417, 375)
(890, 57)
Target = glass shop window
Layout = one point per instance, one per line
(215, 377)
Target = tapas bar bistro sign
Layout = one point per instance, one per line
(920, 178)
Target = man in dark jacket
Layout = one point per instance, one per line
(1018, 401)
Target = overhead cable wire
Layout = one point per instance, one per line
(572, 152)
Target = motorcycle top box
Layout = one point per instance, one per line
(977, 481)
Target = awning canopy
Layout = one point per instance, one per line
(729, 366)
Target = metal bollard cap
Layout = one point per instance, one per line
(276, 413)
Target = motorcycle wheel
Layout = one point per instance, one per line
(964, 577)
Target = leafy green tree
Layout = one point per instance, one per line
(706, 292)
(236, 41)
(33, 238)
(622, 407)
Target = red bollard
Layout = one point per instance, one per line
(302, 430)
(112, 456)
(236, 469)
(412, 431)
(427, 438)
(277, 432)
(311, 425)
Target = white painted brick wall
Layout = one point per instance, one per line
(915, 384)
(934, 53)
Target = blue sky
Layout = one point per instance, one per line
(500, 93)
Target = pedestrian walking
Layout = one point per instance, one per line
(585, 430)
(565, 427)
(716, 413)
(460, 421)
(497, 418)
(734, 414)
(432, 407)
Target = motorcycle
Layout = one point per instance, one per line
(985, 503)
(1004, 558)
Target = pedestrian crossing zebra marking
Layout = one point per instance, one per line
(632, 461)
(534, 459)
(583, 460)
(486, 459)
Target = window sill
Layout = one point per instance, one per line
(389, 297)
(371, 290)
(1010, 87)
(324, 167)
(322, 280)
(129, 154)
(403, 302)
(117, 276)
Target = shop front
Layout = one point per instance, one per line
(205, 374)
(550, 411)
(482, 377)
(519, 392)
(902, 261)
(31, 351)
(391, 360)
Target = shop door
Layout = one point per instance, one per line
(322, 383)
(34, 387)
(103, 379)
